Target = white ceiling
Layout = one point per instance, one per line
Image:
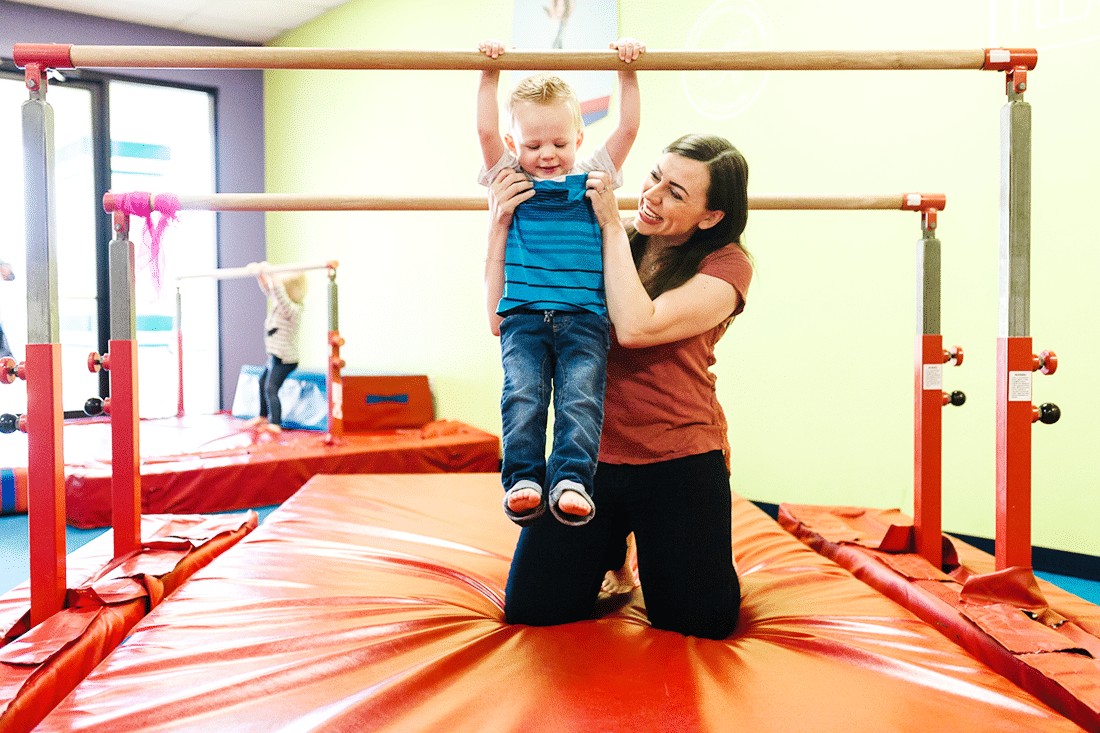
(241, 20)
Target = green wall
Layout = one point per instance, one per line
(817, 375)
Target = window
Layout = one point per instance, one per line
(160, 140)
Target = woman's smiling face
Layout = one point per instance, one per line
(673, 203)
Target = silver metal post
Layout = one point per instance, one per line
(1015, 227)
(928, 284)
(333, 310)
(41, 220)
(120, 263)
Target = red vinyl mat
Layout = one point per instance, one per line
(1032, 632)
(212, 463)
(373, 603)
(106, 597)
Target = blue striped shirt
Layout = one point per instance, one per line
(554, 258)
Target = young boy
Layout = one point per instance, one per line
(555, 332)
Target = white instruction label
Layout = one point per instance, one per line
(933, 376)
(1019, 386)
(337, 400)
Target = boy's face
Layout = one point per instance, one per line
(544, 138)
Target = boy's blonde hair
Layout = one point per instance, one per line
(295, 285)
(546, 88)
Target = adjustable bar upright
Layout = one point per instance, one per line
(929, 397)
(46, 477)
(125, 425)
(1015, 359)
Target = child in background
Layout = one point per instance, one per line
(548, 304)
(285, 292)
(6, 273)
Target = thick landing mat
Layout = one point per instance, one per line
(213, 463)
(105, 600)
(373, 603)
(1041, 637)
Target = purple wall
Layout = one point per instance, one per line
(240, 146)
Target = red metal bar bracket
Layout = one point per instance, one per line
(35, 78)
(928, 204)
(1008, 59)
(1015, 62)
(120, 224)
(44, 55)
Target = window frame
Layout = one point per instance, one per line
(98, 85)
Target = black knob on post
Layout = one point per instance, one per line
(1049, 413)
(93, 406)
(958, 398)
(9, 423)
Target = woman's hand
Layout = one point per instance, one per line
(605, 204)
(507, 191)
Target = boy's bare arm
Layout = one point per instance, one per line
(630, 103)
(488, 112)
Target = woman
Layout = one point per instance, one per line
(674, 279)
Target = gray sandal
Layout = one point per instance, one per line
(525, 519)
(573, 520)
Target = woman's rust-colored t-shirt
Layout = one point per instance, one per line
(660, 401)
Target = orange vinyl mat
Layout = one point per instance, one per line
(374, 603)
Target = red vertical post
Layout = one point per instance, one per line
(45, 480)
(125, 458)
(928, 463)
(335, 387)
(179, 354)
(179, 375)
(1015, 363)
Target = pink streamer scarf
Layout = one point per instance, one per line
(136, 203)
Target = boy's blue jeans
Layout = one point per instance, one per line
(563, 354)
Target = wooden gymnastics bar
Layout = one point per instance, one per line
(251, 57)
(233, 273)
(344, 202)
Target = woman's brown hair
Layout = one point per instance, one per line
(728, 193)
